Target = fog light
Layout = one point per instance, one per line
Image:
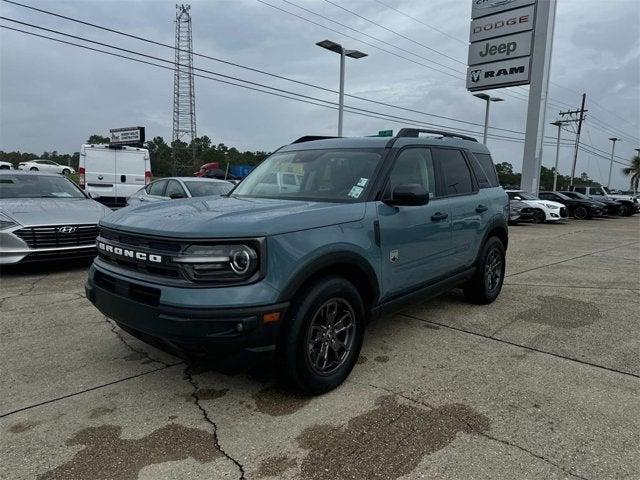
(271, 317)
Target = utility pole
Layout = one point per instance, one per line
(555, 170)
(613, 149)
(580, 119)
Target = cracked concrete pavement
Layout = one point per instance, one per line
(542, 384)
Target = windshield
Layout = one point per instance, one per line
(37, 186)
(204, 189)
(521, 195)
(319, 175)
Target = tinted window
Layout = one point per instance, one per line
(203, 189)
(488, 170)
(547, 196)
(413, 165)
(455, 172)
(174, 188)
(156, 188)
(595, 191)
(580, 189)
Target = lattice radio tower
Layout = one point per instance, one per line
(184, 95)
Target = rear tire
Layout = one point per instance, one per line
(66, 172)
(539, 216)
(321, 338)
(33, 169)
(486, 284)
(624, 211)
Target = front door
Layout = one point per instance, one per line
(414, 239)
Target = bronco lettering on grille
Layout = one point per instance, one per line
(124, 252)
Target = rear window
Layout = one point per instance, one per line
(485, 170)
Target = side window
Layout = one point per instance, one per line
(174, 188)
(580, 189)
(455, 172)
(595, 191)
(546, 196)
(413, 165)
(488, 170)
(157, 188)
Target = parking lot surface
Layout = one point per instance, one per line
(544, 383)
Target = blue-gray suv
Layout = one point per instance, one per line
(323, 236)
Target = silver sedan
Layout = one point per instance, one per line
(172, 188)
(45, 216)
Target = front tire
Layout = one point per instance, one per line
(539, 216)
(66, 172)
(581, 213)
(321, 338)
(486, 284)
(624, 211)
(33, 169)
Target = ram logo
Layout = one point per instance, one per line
(475, 75)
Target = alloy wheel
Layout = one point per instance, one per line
(331, 336)
(493, 270)
(580, 213)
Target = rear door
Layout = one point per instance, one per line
(414, 239)
(466, 206)
(99, 165)
(129, 171)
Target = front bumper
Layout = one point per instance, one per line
(14, 249)
(218, 330)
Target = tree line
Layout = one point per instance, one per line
(161, 154)
(509, 178)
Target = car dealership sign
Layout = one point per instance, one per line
(133, 136)
(501, 43)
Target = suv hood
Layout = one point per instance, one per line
(53, 211)
(226, 217)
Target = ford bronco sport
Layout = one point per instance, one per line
(372, 223)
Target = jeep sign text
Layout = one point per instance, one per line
(507, 23)
(512, 46)
(511, 72)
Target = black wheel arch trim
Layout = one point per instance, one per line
(318, 264)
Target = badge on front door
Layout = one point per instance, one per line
(393, 256)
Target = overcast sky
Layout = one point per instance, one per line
(53, 96)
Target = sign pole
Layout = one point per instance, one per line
(540, 69)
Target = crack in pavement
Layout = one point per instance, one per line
(526, 347)
(30, 289)
(139, 351)
(22, 309)
(205, 415)
(564, 469)
(569, 259)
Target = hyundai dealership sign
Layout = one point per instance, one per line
(501, 43)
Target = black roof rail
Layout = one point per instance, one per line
(415, 132)
(311, 138)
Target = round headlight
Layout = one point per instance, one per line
(240, 261)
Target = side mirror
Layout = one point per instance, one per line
(175, 196)
(408, 194)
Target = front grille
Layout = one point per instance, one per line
(55, 236)
(138, 293)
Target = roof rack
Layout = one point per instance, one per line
(415, 132)
(311, 138)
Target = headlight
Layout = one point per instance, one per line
(220, 263)
(548, 205)
(6, 222)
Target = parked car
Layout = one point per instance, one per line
(377, 222)
(519, 211)
(611, 207)
(6, 166)
(173, 188)
(44, 216)
(112, 174)
(206, 167)
(578, 208)
(45, 166)
(629, 205)
(543, 210)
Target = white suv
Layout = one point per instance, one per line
(543, 210)
(45, 166)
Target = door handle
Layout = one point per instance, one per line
(436, 217)
(123, 178)
(481, 208)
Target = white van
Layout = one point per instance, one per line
(112, 174)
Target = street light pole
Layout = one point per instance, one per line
(488, 99)
(613, 149)
(337, 48)
(555, 171)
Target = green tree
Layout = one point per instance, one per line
(96, 139)
(633, 171)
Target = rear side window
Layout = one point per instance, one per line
(455, 172)
(157, 188)
(485, 170)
